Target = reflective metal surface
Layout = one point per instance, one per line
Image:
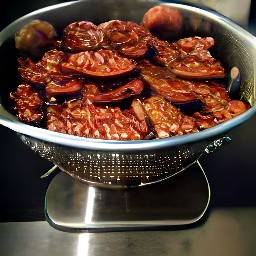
(226, 232)
(120, 170)
(73, 205)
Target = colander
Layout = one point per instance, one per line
(125, 164)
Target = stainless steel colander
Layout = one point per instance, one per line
(122, 164)
(121, 169)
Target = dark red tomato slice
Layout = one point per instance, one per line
(128, 38)
(112, 24)
(81, 36)
(165, 52)
(191, 43)
(134, 87)
(102, 63)
(236, 107)
(118, 37)
(31, 72)
(122, 32)
(166, 118)
(171, 93)
(134, 51)
(28, 104)
(195, 61)
(51, 60)
(68, 87)
(194, 68)
(171, 88)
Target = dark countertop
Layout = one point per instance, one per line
(228, 229)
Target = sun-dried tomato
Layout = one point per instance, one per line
(102, 63)
(195, 61)
(167, 119)
(28, 104)
(159, 88)
(55, 87)
(134, 87)
(95, 122)
(128, 38)
(81, 36)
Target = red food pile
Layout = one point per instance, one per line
(118, 81)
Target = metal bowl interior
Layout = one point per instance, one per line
(234, 47)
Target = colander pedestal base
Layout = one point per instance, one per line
(71, 205)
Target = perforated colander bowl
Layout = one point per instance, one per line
(121, 169)
(122, 164)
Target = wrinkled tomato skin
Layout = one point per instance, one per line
(72, 86)
(102, 64)
(30, 72)
(192, 67)
(236, 107)
(193, 43)
(166, 85)
(128, 38)
(195, 61)
(95, 122)
(28, 104)
(167, 119)
(38, 73)
(134, 87)
(134, 51)
(81, 36)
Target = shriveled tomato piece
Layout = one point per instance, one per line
(55, 87)
(194, 67)
(167, 119)
(135, 51)
(195, 61)
(81, 36)
(51, 60)
(188, 58)
(132, 88)
(92, 121)
(232, 109)
(38, 72)
(165, 52)
(215, 97)
(28, 104)
(139, 111)
(102, 63)
(36, 37)
(237, 107)
(31, 72)
(204, 72)
(221, 114)
(161, 81)
(190, 44)
(128, 38)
